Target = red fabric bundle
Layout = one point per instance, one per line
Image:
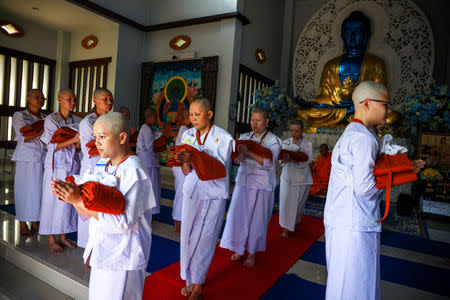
(297, 156)
(133, 139)
(160, 144)
(253, 147)
(93, 151)
(392, 170)
(101, 198)
(33, 128)
(63, 134)
(206, 166)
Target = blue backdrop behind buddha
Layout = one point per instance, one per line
(333, 107)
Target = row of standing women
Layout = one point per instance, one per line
(252, 201)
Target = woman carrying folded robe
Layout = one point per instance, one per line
(203, 200)
(179, 176)
(295, 179)
(103, 100)
(62, 160)
(119, 243)
(252, 202)
(146, 151)
(29, 158)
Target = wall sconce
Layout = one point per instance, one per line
(89, 42)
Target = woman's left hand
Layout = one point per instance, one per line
(418, 165)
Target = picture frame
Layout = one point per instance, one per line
(434, 149)
(170, 86)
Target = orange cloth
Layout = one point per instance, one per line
(33, 128)
(93, 151)
(206, 166)
(160, 144)
(101, 198)
(63, 134)
(133, 139)
(392, 170)
(253, 147)
(321, 173)
(297, 156)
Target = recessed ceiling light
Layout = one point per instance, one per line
(11, 29)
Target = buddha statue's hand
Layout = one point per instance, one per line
(346, 92)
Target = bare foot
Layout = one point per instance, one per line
(35, 227)
(64, 241)
(24, 231)
(88, 260)
(176, 226)
(53, 245)
(285, 234)
(249, 262)
(196, 293)
(236, 257)
(187, 290)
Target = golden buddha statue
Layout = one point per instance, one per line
(333, 107)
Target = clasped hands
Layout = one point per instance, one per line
(286, 158)
(185, 156)
(66, 191)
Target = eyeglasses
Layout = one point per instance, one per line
(376, 100)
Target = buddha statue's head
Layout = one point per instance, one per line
(355, 33)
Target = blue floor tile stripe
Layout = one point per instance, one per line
(168, 194)
(415, 243)
(164, 216)
(9, 208)
(396, 270)
(419, 276)
(163, 253)
(290, 286)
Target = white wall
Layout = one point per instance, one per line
(264, 32)
(176, 10)
(150, 12)
(128, 70)
(38, 40)
(207, 40)
(303, 11)
(106, 47)
(136, 10)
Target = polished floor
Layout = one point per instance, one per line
(412, 267)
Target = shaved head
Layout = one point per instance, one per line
(115, 121)
(204, 102)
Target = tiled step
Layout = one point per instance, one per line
(18, 284)
(63, 271)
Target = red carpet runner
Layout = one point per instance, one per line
(231, 280)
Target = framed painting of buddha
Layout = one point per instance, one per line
(169, 87)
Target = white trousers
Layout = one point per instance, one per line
(28, 190)
(353, 263)
(247, 220)
(292, 203)
(116, 285)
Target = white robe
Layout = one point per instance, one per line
(178, 182)
(203, 207)
(87, 163)
(29, 159)
(144, 149)
(351, 212)
(119, 245)
(252, 202)
(295, 181)
(57, 217)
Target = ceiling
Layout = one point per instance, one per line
(56, 14)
